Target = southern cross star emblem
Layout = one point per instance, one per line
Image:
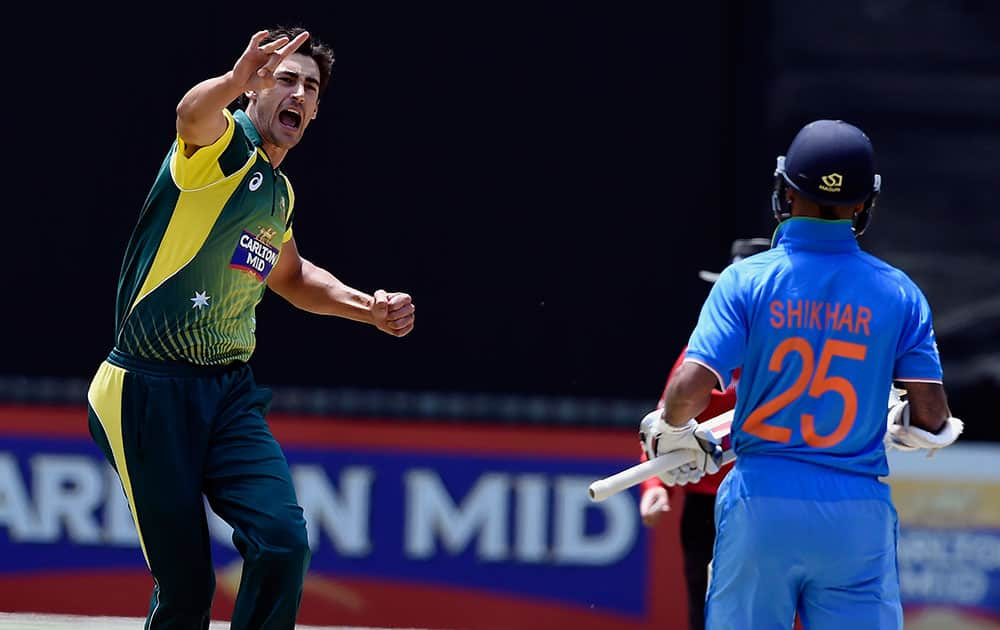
(200, 299)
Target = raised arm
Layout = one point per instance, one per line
(313, 289)
(200, 121)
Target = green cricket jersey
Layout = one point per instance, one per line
(209, 233)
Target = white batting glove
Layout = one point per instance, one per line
(688, 473)
(658, 437)
(900, 435)
(895, 395)
(682, 475)
(898, 415)
(703, 463)
(898, 418)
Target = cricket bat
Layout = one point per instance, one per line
(712, 435)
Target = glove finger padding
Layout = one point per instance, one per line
(684, 474)
(669, 478)
(693, 471)
(690, 473)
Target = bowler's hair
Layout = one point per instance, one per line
(312, 47)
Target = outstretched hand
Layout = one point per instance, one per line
(393, 313)
(255, 67)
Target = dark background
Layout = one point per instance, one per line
(545, 179)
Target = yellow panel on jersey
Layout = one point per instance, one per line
(202, 168)
(105, 398)
(196, 265)
(291, 208)
(189, 226)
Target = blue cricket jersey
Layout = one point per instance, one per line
(820, 329)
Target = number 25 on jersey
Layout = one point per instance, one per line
(818, 383)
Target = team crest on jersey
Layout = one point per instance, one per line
(255, 254)
(265, 234)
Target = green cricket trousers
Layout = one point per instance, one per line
(178, 432)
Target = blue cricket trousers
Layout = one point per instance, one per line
(797, 536)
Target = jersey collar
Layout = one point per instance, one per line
(244, 121)
(816, 234)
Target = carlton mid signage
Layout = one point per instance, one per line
(410, 523)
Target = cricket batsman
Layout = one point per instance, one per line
(820, 330)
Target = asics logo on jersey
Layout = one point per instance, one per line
(832, 182)
(255, 181)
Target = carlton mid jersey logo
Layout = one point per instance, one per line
(254, 254)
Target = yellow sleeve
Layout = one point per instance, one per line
(202, 168)
(291, 208)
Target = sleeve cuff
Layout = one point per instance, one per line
(718, 375)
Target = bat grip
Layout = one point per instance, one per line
(619, 482)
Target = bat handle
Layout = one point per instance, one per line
(633, 476)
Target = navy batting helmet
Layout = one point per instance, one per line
(832, 163)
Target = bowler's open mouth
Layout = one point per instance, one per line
(290, 118)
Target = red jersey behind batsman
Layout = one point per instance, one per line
(720, 402)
